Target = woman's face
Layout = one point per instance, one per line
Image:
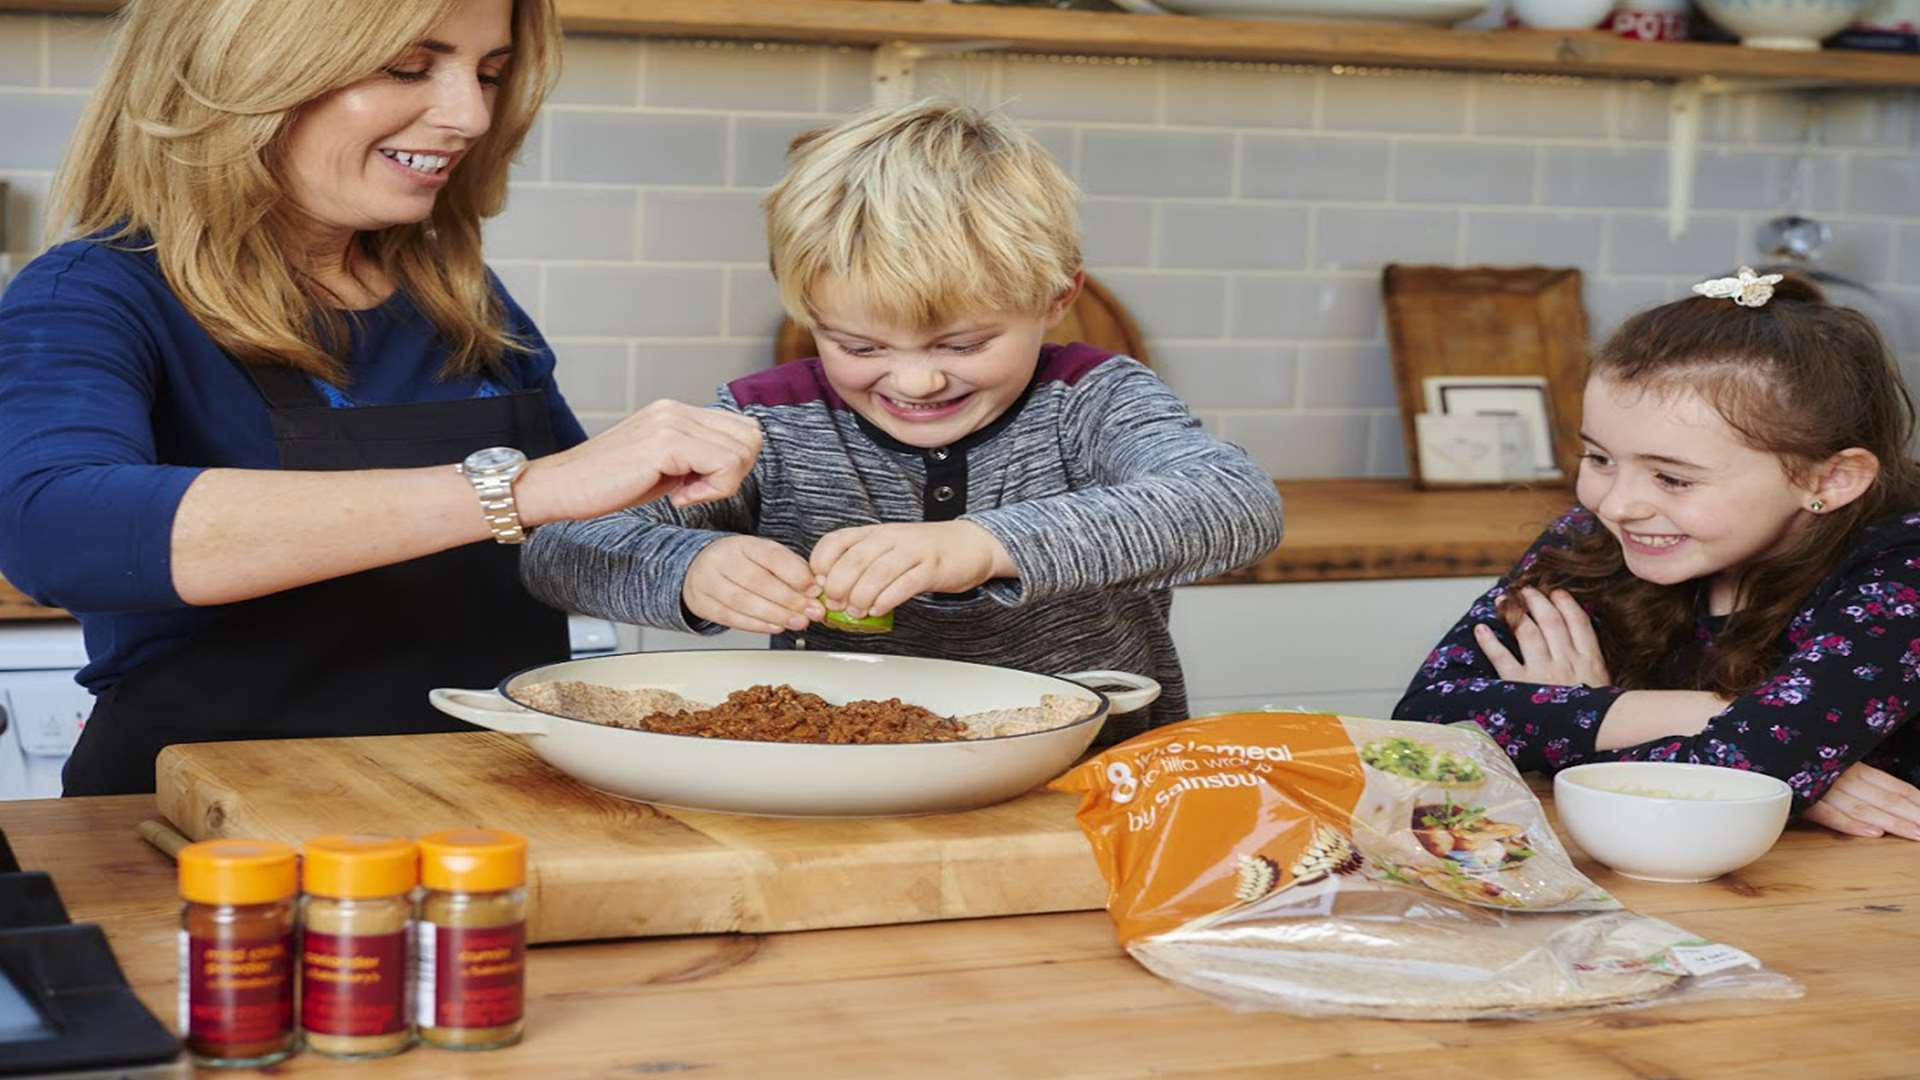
(1678, 487)
(376, 154)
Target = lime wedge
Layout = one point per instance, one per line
(872, 624)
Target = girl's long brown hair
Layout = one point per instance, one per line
(1798, 378)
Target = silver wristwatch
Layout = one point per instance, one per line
(492, 472)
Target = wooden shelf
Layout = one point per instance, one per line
(1361, 530)
(875, 22)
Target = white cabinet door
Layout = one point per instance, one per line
(1337, 646)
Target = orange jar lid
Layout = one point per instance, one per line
(237, 872)
(473, 860)
(359, 867)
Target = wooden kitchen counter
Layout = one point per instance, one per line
(1337, 530)
(1052, 996)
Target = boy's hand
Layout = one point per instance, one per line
(751, 584)
(1866, 801)
(872, 569)
(1557, 644)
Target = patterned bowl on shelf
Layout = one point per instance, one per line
(1783, 24)
(1442, 12)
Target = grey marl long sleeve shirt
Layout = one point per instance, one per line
(1102, 486)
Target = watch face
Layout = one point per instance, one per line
(493, 458)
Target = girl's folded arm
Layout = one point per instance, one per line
(1851, 681)
(1540, 727)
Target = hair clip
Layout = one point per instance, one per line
(1747, 290)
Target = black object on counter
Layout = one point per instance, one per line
(28, 900)
(65, 1005)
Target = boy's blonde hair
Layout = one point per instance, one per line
(180, 143)
(930, 211)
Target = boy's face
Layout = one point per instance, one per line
(928, 387)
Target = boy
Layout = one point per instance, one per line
(1020, 504)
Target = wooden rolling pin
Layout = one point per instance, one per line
(162, 836)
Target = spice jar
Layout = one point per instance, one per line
(353, 954)
(236, 951)
(471, 939)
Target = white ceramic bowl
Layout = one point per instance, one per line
(1562, 14)
(1441, 12)
(1783, 24)
(1667, 821)
(804, 779)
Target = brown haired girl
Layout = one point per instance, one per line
(233, 400)
(1740, 583)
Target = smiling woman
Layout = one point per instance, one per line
(275, 216)
(293, 106)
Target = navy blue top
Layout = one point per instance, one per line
(113, 399)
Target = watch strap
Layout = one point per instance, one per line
(498, 507)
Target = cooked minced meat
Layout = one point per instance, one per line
(783, 714)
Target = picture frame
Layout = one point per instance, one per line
(1524, 397)
(1469, 450)
(1523, 321)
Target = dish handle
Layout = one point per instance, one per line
(488, 709)
(1140, 693)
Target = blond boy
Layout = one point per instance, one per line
(1012, 502)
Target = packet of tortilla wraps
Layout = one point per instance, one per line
(1331, 865)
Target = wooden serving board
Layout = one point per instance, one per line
(603, 867)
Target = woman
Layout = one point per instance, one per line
(264, 413)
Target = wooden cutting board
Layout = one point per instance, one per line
(602, 867)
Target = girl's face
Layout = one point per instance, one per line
(927, 388)
(376, 154)
(1681, 491)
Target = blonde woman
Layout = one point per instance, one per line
(264, 413)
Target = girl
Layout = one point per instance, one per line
(1740, 583)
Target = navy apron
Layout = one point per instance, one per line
(355, 655)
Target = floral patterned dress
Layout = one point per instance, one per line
(1847, 690)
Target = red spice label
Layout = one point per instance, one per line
(472, 978)
(237, 991)
(353, 984)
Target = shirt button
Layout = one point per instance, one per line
(939, 453)
(943, 493)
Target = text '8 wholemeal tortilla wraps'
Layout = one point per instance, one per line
(1332, 865)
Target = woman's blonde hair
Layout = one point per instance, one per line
(930, 210)
(179, 147)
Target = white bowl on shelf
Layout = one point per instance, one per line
(1562, 14)
(1670, 821)
(1441, 12)
(1784, 24)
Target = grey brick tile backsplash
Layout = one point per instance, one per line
(1240, 211)
(1312, 167)
(1243, 236)
(37, 125)
(20, 52)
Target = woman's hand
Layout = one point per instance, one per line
(751, 584)
(688, 453)
(1866, 801)
(871, 569)
(1557, 644)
